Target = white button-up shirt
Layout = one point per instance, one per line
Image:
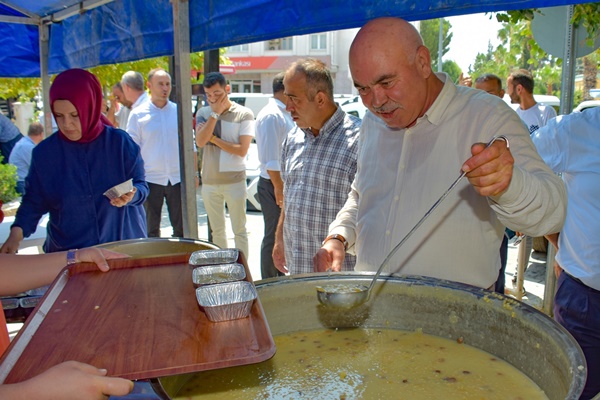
(273, 123)
(155, 131)
(402, 172)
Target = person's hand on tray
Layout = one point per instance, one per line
(25, 272)
(98, 256)
(70, 380)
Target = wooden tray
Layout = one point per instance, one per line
(140, 320)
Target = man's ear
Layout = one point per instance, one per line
(423, 61)
(227, 89)
(320, 98)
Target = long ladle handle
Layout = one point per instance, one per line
(424, 217)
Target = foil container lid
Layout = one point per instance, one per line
(211, 274)
(211, 257)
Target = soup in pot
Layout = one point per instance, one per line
(367, 364)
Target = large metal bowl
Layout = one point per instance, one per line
(511, 330)
(152, 247)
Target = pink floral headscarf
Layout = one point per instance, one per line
(83, 90)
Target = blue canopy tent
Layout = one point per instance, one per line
(88, 33)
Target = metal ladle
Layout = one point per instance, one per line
(349, 296)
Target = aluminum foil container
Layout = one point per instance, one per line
(226, 301)
(211, 274)
(10, 303)
(29, 302)
(38, 291)
(211, 257)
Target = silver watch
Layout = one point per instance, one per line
(215, 115)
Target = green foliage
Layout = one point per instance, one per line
(452, 69)
(587, 14)
(22, 88)
(430, 32)
(26, 88)
(8, 182)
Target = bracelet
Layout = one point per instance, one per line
(72, 257)
(212, 139)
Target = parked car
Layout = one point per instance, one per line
(584, 105)
(252, 175)
(254, 101)
(355, 108)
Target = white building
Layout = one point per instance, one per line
(257, 63)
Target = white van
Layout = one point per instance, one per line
(254, 101)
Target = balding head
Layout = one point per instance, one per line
(391, 69)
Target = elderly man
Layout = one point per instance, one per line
(318, 163)
(132, 84)
(422, 132)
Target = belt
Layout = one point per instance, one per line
(265, 179)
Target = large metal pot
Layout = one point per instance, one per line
(511, 330)
(152, 247)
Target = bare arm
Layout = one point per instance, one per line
(25, 272)
(278, 248)
(277, 186)
(238, 149)
(205, 131)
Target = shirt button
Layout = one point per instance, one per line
(387, 232)
(395, 198)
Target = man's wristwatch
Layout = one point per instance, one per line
(215, 115)
(339, 237)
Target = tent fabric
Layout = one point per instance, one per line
(127, 30)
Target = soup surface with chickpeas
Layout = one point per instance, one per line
(367, 364)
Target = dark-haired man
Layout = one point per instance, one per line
(224, 131)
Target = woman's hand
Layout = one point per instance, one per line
(123, 200)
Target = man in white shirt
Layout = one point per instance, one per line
(273, 123)
(120, 107)
(519, 86)
(132, 83)
(421, 133)
(153, 126)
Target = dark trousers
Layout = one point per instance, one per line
(271, 212)
(577, 308)
(153, 207)
(501, 282)
(6, 148)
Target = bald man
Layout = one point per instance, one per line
(421, 133)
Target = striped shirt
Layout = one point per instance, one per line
(317, 172)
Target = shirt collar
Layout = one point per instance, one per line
(330, 125)
(438, 108)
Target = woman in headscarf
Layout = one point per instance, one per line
(71, 169)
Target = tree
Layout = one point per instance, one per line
(430, 32)
(452, 69)
(28, 88)
(587, 15)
